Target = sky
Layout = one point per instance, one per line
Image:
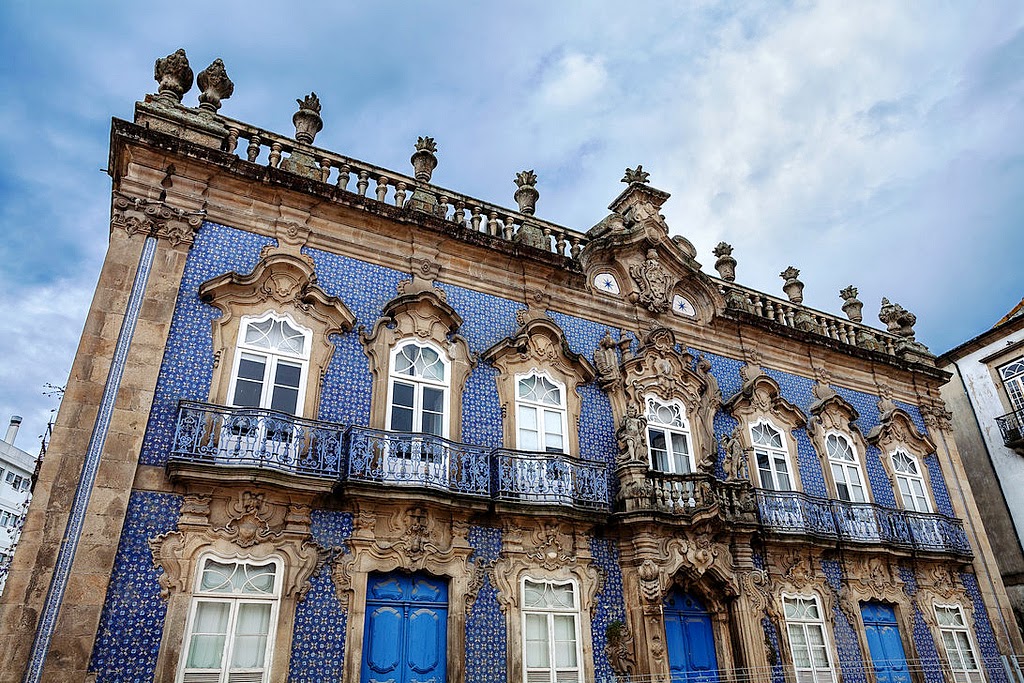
(873, 143)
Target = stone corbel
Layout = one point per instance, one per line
(154, 218)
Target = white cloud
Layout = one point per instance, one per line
(573, 81)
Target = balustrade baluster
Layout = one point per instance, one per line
(325, 169)
(508, 227)
(560, 243)
(442, 205)
(459, 216)
(400, 194)
(232, 142)
(787, 318)
(476, 217)
(253, 150)
(492, 223)
(574, 252)
(275, 154)
(547, 238)
(363, 182)
(382, 188)
(343, 178)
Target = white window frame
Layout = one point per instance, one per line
(847, 467)
(668, 430)
(541, 408)
(272, 358)
(773, 455)
(956, 648)
(1012, 375)
(235, 601)
(813, 673)
(911, 499)
(419, 384)
(555, 674)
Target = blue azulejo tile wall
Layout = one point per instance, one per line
(187, 366)
(924, 644)
(132, 621)
(486, 636)
(851, 662)
(318, 637)
(610, 607)
(983, 630)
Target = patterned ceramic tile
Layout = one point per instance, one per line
(132, 621)
(486, 638)
(985, 637)
(610, 607)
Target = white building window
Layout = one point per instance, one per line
(551, 632)
(846, 472)
(805, 626)
(772, 457)
(956, 639)
(231, 622)
(910, 481)
(668, 437)
(7, 519)
(271, 364)
(1012, 375)
(418, 390)
(541, 423)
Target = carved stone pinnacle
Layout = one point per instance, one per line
(215, 86)
(526, 195)
(174, 75)
(307, 119)
(793, 288)
(424, 160)
(636, 175)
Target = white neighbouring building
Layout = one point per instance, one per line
(16, 470)
(986, 396)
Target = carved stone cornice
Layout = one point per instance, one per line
(154, 218)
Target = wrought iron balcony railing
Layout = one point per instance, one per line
(376, 456)
(791, 512)
(1011, 426)
(255, 437)
(550, 478)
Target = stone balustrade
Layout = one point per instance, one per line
(374, 183)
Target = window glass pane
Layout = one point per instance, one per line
(433, 423)
(565, 640)
(258, 579)
(209, 631)
(405, 360)
(561, 596)
(218, 577)
(288, 375)
(251, 636)
(533, 594)
(433, 400)
(428, 364)
(401, 419)
(537, 654)
(529, 437)
(285, 400)
(659, 449)
(402, 395)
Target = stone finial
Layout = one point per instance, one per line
(526, 193)
(215, 86)
(307, 119)
(636, 175)
(726, 264)
(174, 75)
(852, 306)
(897, 319)
(424, 159)
(793, 288)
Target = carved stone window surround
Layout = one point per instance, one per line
(831, 414)
(539, 347)
(282, 283)
(420, 313)
(897, 432)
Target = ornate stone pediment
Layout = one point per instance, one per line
(830, 412)
(895, 429)
(540, 342)
(762, 395)
(872, 578)
(255, 529)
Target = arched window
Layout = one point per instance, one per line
(808, 640)
(418, 390)
(668, 437)
(232, 620)
(271, 364)
(956, 640)
(541, 423)
(552, 651)
(846, 471)
(1012, 375)
(910, 482)
(771, 455)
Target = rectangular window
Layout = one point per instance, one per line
(956, 640)
(551, 635)
(812, 659)
(230, 629)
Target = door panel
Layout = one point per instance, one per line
(885, 646)
(690, 640)
(405, 634)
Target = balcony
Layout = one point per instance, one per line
(1011, 426)
(217, 443)
(247, 443)
(793, 513)
(689, 496)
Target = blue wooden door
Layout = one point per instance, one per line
(690, 640)
(405, 634)
(884, 643)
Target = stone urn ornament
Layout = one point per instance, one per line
(793, 288)
(215, 86)
(526, 193)
(852, 306)
(726, 264)
(307, 119)
(174, 76)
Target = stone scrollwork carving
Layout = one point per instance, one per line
(620, 649)
(249, 532)
(654, 283)
(148, 217)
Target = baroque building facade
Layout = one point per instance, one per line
(332, 422)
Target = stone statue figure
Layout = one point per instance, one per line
(632, 447)
(606, 360)
(735, 462)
